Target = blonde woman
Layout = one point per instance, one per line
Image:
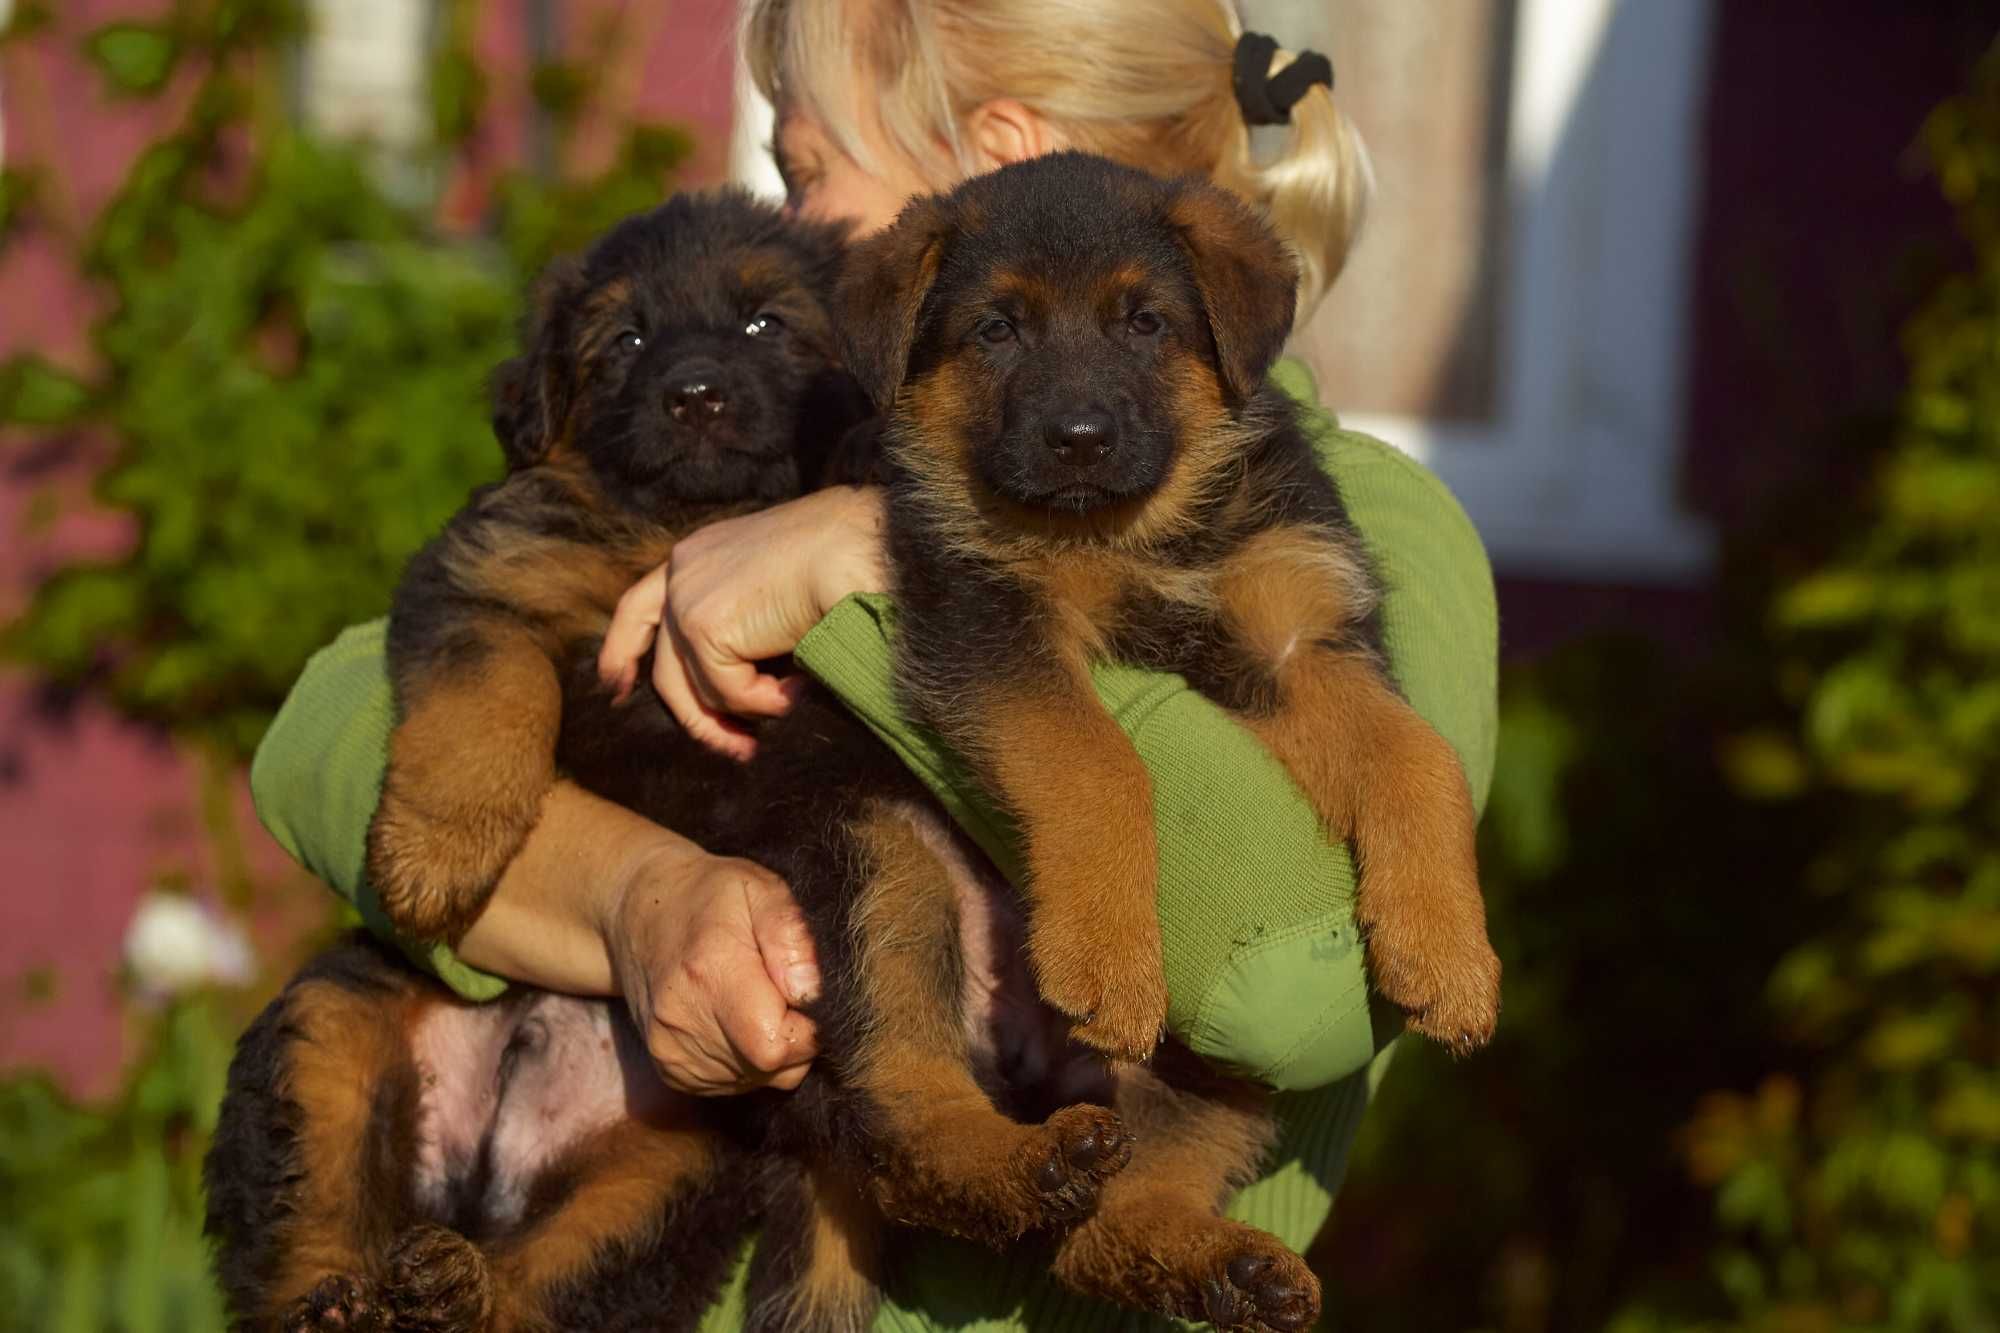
(879, 100)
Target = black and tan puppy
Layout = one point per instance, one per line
(683, 373)
(1089, 465)
(1092, 467)
(391, 1157)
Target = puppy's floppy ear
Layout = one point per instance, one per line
(881, 296)
(531, 392)
(521, 415)
(1249, 282)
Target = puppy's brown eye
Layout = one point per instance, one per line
(631, 340)
(1145, 323)
(996, 331)
(764, 322)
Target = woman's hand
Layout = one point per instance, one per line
(711, 954)
(735, 593)
(714, 960)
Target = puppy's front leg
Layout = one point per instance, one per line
(470, 763)
(1376, 772)
(1061, 766)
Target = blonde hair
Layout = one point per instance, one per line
(1147, 82)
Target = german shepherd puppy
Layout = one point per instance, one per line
(682, 374)
(1091, 466)
(388, 1156)
(391, 1157)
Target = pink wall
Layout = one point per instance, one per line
(94, 810)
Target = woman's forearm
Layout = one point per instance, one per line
(550, 917)
(316, 780)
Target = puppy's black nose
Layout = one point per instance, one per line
(1080, 437)
(695, 394)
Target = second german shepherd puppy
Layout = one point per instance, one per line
(1091, 466)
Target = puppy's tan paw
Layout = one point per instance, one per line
(438, 1282)
(1256, 1283)
(340, 1303)
(1070, 1158)
(1437, 967)
(434, 872)
(1108, 978)
(1191, 1265)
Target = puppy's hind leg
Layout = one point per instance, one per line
(608, 1206)
(817, 1267)
(470, 762)
(948, 1159)
(432, 1280)
(307, 1179)
(1158, 1240)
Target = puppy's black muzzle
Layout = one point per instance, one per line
(1074, 458)
(696, 393)
(1081, 438)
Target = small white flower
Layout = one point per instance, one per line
(175, 944)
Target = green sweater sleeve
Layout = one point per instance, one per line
(317, 776)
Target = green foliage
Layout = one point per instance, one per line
(135, 58)
(1773, 867)
(1639, 907)
(100, 1208)
(293, 370)
(1864, 1193)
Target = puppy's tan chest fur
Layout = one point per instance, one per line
(1090, 597)
(1279, 588)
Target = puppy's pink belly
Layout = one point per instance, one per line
(1017, 1043)
(509, 1087)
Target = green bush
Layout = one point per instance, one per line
(100, 1208)
(292, 372)
(1774, 867)
(1861, 1188)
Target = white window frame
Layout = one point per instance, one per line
(1577, 475)
(364, 70)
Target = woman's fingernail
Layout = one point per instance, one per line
(802, 980)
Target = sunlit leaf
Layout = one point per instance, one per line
(34, 392)
(1833, 598)
(1764, 765)
(135, 58)
(1910, 1040)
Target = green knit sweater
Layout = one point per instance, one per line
(1263, 972)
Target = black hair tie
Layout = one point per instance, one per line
(1267, 99)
